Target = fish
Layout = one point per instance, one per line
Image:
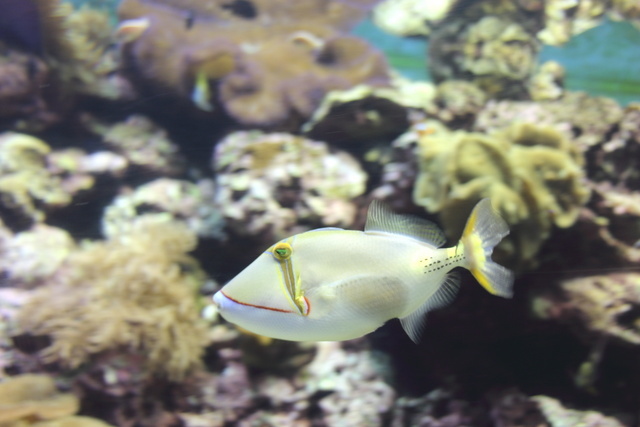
(332, 284)
(130, 30)
(201, 93)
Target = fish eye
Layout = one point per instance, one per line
(282, 251)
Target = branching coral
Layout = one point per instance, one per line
(531, 173)
(275, 185)
(135, 293)
(264, 61)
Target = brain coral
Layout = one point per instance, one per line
(277, 184)
(263, 61)
(135, 293)
(531, 173)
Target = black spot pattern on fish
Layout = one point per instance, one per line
(437, 265)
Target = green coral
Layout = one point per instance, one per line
(531, 173)
(135, 292)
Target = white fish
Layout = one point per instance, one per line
(332, 284)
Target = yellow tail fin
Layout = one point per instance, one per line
(484, 230)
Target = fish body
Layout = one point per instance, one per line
(332, 284)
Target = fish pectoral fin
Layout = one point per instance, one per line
(414, 323)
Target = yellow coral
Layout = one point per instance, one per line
(33, 400)
(135, 293)
(532, 174)
(25, 182)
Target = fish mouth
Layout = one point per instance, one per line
(220, 299)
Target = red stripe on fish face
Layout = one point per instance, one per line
(255, 306)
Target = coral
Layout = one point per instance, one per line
(582, 305)
(33, 400)
(275, 185)
(496, 54)
(343, 385)
(263, 62)
(564, 19)
(618, 159)
(560, 416)
(143, 143)
(411, 17)
(31, 256)
(357, 393)
(587, 120)
(135, 293)
(165, 200)
(24, 102)
(35, 397)
(531, 173)
(90, 65)
(548, 82)
(27, 188)
(11, 299)
(458, 101)
(360, 117)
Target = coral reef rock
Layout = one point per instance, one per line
(617, 318)
(560, 416)
(411, 17)
(24, 102)
(164, 200)
(29, 258)
(275, 185)
(135, 293)
(264, 62)
(144, 144)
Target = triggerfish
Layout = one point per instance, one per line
(332, 284)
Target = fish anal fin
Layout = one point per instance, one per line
(381, 218)
(414, 323)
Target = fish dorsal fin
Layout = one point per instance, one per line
(414, 323)
(381, 218)
(326, 229)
